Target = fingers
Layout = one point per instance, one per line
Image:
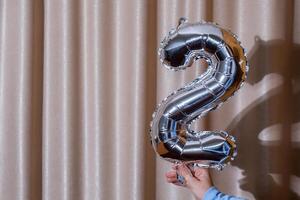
(171, 177)
(190, 177)
(174, 166)
(201, 173)
(203, 176)
(184, 171)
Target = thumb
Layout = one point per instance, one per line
(184, 171)
(201, 173)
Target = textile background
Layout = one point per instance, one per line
(79, 80)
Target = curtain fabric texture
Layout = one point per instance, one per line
(79, 81)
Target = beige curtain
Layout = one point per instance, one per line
(79, 80)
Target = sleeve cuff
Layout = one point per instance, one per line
(211, 193)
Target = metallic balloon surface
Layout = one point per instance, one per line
(171, 134)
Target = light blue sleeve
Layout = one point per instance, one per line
(214, 194)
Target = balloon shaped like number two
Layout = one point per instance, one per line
(171, 135)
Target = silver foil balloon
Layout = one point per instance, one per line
(171, 134)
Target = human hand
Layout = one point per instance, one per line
(197, 180)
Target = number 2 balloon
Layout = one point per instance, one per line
(171, 134)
